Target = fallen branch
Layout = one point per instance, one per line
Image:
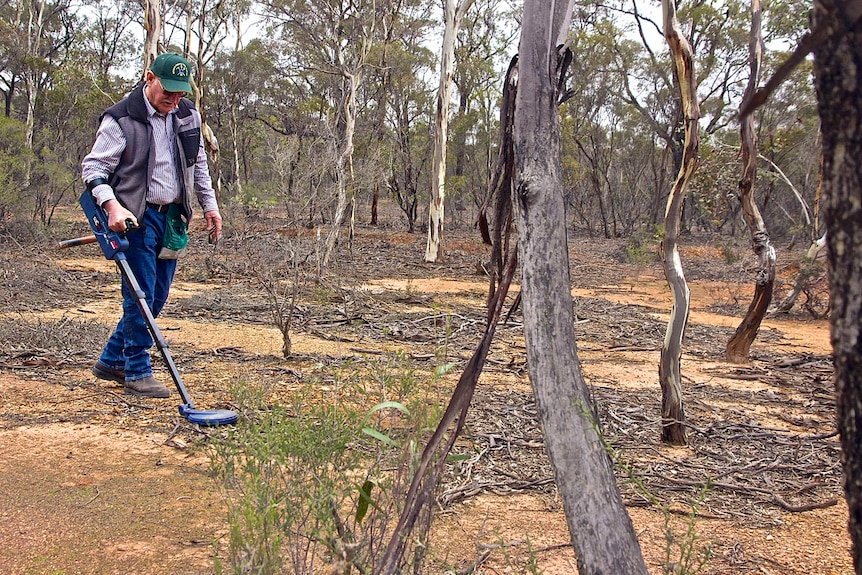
(778, 500)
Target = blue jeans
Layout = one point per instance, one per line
(128, 346)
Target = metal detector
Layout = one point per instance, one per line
(113, 245)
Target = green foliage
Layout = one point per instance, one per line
(642, 247)
(713, 187)
(685, 554)
(786, 19)
(286, 473)
(321, 482)
(14, 157)
(528, 565)
(275, 107)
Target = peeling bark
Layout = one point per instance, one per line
(344, 167)
(152, 31)
(672, 412)
(739, 345)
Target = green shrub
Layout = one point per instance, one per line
(321, 483)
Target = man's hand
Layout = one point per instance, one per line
(117, 216)
(213, 219)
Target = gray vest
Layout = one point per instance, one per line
(132, 175)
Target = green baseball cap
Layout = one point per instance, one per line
(173, 71)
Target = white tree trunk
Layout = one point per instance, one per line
(234, 131)
(672, 413)
(153, 31)
(344, 169)
(452, 15)
(35, 21)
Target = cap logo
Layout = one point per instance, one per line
(179, 70)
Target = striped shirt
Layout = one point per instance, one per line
(164, 186)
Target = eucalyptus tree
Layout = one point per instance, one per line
(395, 103)
(408, 123)
(378, 102)
(790, 151)
(738, 346)
(788, 135)
(14, 158)
(107, 37)
(334, 38)
(37, 37)
(602, 534)
(670, 378)
(837, 62)
(717, 31)
(641, 177)
(590, 116)
(240, 83)
(11, 54)
(48, 99)
(836, 40)
(207, 24)
(484, 45)
(453, 13)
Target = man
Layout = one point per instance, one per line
(148, 155)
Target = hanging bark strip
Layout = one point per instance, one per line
(672, 412)
(425, 480)
(500, 189)
(428, 472)
(739, 345)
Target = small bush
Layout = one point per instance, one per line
(642, 247)
(321, 483)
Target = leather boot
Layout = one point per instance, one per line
(146, 387)
(102, 371)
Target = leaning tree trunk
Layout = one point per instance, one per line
(672, 412)
(740, 344)
(601, 531)
(838, 82)
(808, 272)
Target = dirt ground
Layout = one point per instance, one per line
(95, 482)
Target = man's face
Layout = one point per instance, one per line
(162, 100)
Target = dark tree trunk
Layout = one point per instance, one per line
(602, 533)
(375, 200)
(838, 82)
(739, 345)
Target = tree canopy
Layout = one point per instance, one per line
(271, 74)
